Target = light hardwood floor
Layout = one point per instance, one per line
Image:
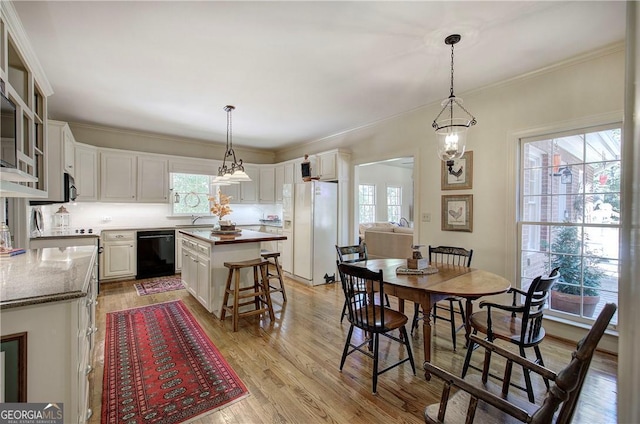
(290, 366)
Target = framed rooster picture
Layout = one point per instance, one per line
(457, 212)
(460, 176)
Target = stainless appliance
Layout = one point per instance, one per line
(156, 253)
(69, 192)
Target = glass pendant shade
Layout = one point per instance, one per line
(240, 175)
(453, 121)
(452, 138)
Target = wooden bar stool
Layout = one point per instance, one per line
(258, 294)
(277, 276)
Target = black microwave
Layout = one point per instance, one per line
(69, 192)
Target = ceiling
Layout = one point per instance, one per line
(296, 71)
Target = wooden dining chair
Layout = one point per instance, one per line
(351, 254)
(520, 324)
(367, 312)
(481, 401)
(450, 255)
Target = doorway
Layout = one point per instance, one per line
(384, 193)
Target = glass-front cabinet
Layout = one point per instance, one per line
(26, 89)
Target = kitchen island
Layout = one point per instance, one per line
(203, 256)
(47, 311)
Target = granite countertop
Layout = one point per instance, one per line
(246, 236)
(45, 275)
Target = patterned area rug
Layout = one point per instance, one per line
(159, 285)
(160, 367)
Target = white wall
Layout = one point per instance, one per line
(588, 89)
(381, 176)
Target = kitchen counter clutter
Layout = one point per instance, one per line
(47, 305)
(203, 256)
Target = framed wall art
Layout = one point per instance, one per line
(13, 354)
(457, 213)
(461, 175)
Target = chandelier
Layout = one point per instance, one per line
(231, 172)
(452, 131)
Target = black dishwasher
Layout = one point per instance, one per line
(156, 253)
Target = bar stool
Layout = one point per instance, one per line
(277, 276)
(258, 293)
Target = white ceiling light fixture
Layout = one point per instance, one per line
(452, 131)
(233, 172)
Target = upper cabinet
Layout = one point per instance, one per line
(267, 185)
(27, 88)
(118, 172)
(327, 166)
(69, 147)
(279, 182)
(246, 191)
(86, 172)
(153, 179)
(127, 177)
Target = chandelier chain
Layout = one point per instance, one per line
(451, 92)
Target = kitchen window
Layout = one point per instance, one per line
(367, 202)
(569, 205)
(191, 193)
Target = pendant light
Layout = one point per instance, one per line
(232, 173)
(452, 130)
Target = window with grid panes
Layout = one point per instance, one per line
(367, 202)
(569, 217)
(394, 203)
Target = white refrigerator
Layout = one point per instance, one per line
(315, 231)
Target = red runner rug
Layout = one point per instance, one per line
(159, 285)
(160, 367)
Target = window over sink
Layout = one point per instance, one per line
(191, 193)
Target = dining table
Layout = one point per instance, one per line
(433, 286)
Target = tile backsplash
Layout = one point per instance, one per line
(146, 215)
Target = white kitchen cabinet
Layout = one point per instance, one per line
(58, 135)
(153, 179)
(273, 245)
(246, 191)
(118, 259)
(118, 173)
(267, 184)
(278, 182)
(60, 340)
(288, 173)
(327, 166)
(196, 270)
(86, 171)
(69, 144)
(249, 189)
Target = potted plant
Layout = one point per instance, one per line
(222, 209)
(567, 294)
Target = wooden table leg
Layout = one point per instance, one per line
(467, 321)
(426, 327)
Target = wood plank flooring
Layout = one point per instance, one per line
(290, 366)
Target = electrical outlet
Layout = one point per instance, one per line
(426, 216)
(106, 218)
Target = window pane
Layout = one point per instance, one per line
(572, 181)
(191, 194)
(367, 203)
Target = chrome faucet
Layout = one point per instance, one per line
(405, 220)
(195, 218)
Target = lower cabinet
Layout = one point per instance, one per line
(272, 246)
(60, 339)
(196, 270)
(118, 259)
